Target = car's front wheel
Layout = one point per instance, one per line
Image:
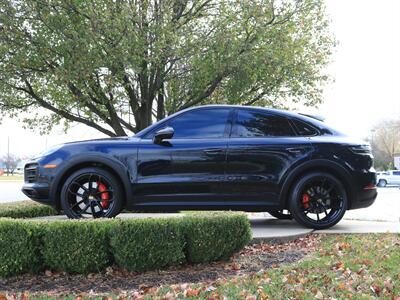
(318, 200)
(91, 192)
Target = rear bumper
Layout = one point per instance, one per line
(364, 199)
(38, 192)
(365, 191)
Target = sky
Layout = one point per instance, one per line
(365, 67)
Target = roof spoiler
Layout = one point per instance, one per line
(316, 117)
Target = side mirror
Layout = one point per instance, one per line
(163, 134)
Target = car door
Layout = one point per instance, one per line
(262, 147)
(189, 166)
(396, 177)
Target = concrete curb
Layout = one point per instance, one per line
(279, 239)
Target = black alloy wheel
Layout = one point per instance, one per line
(93, 193)
(318, 200)
(283, 214)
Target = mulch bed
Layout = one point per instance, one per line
(252, 259)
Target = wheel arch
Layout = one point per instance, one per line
(114, 166)
(317, 165)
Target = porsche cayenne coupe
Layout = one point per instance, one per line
(212, 158)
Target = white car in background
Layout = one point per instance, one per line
(391, 177)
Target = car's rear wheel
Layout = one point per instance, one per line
(91, 192)
(382, 183)
(283, 214)
(318, 200)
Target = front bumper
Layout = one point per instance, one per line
(37, 191)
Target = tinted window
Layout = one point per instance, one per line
(259, 124)
(304, 129)
(396, 172)
(205, 123)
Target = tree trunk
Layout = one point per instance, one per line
(160, 106)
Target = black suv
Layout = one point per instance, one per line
(212, 158)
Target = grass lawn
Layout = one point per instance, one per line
(18, 177)
(344, 266)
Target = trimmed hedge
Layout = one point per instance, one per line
(215, 237)
(18, 248)
(84, 246)
(25, 209)
(75, 247)
(144, 244)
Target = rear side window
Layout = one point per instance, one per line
(205, 123)
(304, 129)
(396, 173)
(258, 124)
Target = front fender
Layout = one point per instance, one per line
(87, 159)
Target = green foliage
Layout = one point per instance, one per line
(25, 209)
(75, 246)
(215, 237)
(108, 63)
(19, 248)
(83, 246)
(146, 244)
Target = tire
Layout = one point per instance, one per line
(382, 183)
(91, 192)
(281, 215)
(316, 194)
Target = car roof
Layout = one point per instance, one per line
(307, 118)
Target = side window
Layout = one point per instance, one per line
(258, 124)
(304, 129)
(204, 123)
(397, 173)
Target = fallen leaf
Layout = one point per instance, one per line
(191, 292)
(319, 295)
(376, 289)
(168, 296)
(25, 295)
(388, 284)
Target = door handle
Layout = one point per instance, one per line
(213, 151)
(295, 150)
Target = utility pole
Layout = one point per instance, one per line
(8, 155)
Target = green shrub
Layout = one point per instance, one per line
(145, 244)
(214, 237)
(76, 246)
(19, 252)
(25, 209)
(83, 246)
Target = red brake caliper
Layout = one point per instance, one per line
(305, 199)
(104, 196)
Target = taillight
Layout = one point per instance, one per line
(370, 186)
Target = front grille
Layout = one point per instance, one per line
(31, 172)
